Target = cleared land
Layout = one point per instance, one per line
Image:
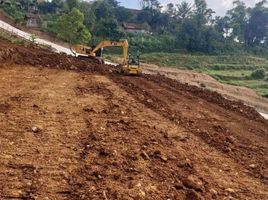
(73, 129)
(246, 95)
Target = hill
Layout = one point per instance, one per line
(74, 129)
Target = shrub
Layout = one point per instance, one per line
(258, 74)
(11, 10)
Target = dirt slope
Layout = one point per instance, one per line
(244, 94)
(72, 129)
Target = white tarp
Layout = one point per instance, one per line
(264, 115)
(27, 36)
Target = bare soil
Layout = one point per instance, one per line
(74, 129)
(246, 95)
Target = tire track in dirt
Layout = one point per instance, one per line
(207, 121)
(113, 155)
(107, 163)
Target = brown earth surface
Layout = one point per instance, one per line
(74, 129)
(247, 95)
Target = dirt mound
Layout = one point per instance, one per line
(210, 96)
(73, 129)
(243, 94)
(35, 56)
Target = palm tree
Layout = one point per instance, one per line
(184, 10)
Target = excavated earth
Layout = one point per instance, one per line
(75, 129)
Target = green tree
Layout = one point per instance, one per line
(151, 5)
(70, 27)
(171, 10)
(123, 15)
(72, 4)
(51, 6)
(238, 20)
(257, 27)
(89, 16)
(196, 33)
(258, 74)
(221, 25)
(107, 25)
(184, 10)
(114, 3)
(202, 13)
(103, 10)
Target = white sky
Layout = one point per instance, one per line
(219, 6)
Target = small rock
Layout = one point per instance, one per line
(230, 139)
(183, 138)
(73, 67)
(35, 106)
(213, 192)
(230, 190)
(142, 193)
(164, 158)
(252, 166)
(145, 156)
(36, 129)
(193, 182)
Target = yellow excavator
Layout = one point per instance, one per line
(129, 66)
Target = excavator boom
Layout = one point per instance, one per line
(103, 44)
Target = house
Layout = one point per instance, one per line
(36, 21)
(134, 28)
(32, 20)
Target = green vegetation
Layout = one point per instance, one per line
(9, 37)
(240, 70)
(190, 27)
(70, 27)
(14, 12)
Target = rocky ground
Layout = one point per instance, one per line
(75, 129)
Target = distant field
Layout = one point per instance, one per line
(235, 69)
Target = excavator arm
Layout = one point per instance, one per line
(103, 44)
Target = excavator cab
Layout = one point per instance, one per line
(132, 66)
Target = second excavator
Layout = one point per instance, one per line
(129, 66)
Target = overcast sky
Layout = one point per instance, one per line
(220, 6)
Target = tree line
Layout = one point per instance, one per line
(183, 26)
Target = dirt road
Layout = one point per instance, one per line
(72, 129)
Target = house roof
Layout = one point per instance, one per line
(134, 11)
(32, 16)
(131, 26)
